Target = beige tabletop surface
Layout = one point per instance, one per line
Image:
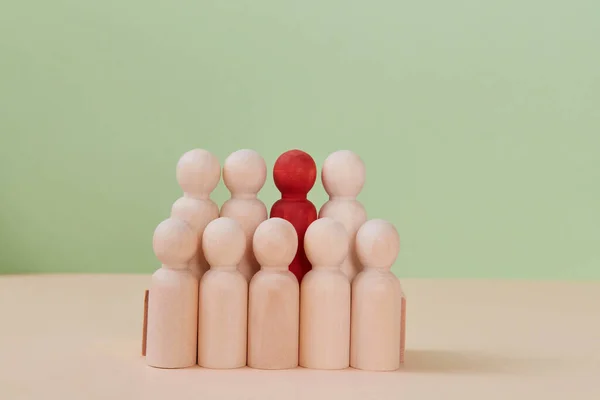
(78, 337)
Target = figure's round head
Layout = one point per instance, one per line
(343, 174)
(244, 172)
(198, 173)
(326, 243)
(295, 173)
(275, 243)
(190, 211)
(223, 242)
(377, 244)
(174, 243)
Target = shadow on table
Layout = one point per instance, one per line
(469, 362)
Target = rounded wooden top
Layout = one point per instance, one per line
(223, 242)
(192, 211)
(326, 243)
(275, 243)
(343, 174)
(377, 244)
(244, 172)
(174, 243)
(294, 173)
(198, 173)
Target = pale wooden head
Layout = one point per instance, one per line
(174, 243)
(377, 244)
(343, 174)
(191, 211)
(244, 172)
(326, 243)
(275, 243)
(223, 242)
(198, 173)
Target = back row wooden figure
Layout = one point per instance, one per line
(258, 265)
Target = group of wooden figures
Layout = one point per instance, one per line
(238, 287)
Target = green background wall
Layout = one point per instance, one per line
(478, 121)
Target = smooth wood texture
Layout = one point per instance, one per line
(198, 173)
(223, 298)
(467, 340)
(325, 298)
(172, 319)
(173, 306)
(376, 320)
(145, 323)
(274, 299)
(294, 174)
(343, 176)
(244, 175)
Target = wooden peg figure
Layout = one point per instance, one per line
(325, 298)
(273, 313)
(198, 174)
(294, 174)
(244, 174)
(376, 300)
(343, 176)
(223, 299)
(173, 301)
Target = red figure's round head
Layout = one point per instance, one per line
(294, 173)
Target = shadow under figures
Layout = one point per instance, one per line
(472, 362)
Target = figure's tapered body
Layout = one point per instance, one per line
(197, 213)
(249, 213)
(351, 214)
(172, 319)
(223, 319)
(273, 320)
(376, 321)
(325, 320)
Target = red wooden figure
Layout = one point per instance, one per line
(294, 174)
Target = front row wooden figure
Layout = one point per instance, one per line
(173, 303)
(327, 322)
(223, 300)
(274, 304)
(376, 300)
(325, 298)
